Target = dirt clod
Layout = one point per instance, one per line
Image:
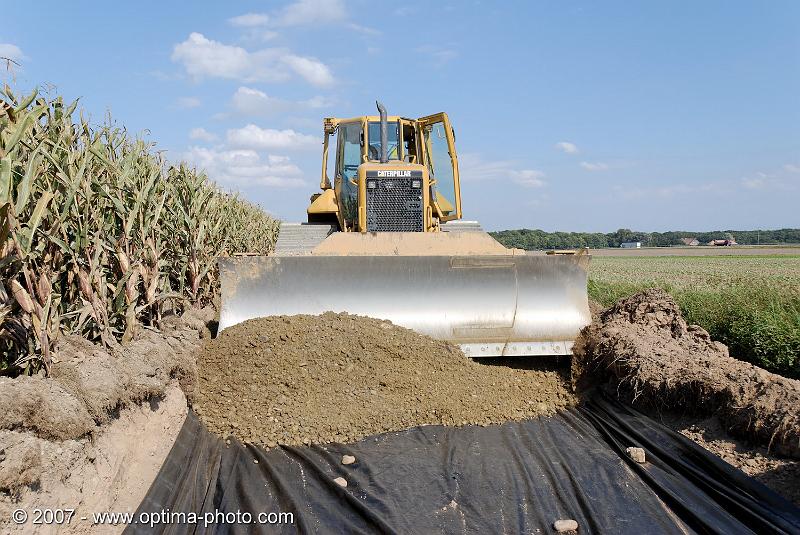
(20, 462)
(44, 407)
(342, 482)
(348, 459)
(340, 378)
(654, 360)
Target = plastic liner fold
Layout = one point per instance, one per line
(518, 477)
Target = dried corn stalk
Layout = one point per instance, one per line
(98, 235)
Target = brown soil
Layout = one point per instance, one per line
(44, 407)
(89, 383)
(106, 380)
(94, 434)
(778, 473)
(110, 471)
(654, 360)
(339, 378)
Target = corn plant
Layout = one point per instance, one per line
(98, 236)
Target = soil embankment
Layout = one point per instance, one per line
(93, 436)
(339, 378)
(654, 360)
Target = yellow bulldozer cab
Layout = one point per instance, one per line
(427, 142)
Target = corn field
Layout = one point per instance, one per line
(98, 235)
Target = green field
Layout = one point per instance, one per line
(751, 303)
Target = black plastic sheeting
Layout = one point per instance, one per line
(518, 477)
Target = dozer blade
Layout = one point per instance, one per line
(489, 305)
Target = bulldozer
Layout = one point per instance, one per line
(386, 239)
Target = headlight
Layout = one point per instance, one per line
(372, 184)
(416, 184)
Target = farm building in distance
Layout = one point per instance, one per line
(690, 241)
(729, 240)
(631, 245)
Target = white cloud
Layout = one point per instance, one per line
(249, 20)
(299, 13)
(566, 146)
(754, 182)
(253, 102)
(594, 166)
(761, 180)
(187, 103)
(201, 134)
(275, 160)
(530, 178)
(202, 57)
(311, 12)
(265, 35)
(303, 13)
(249, 101)
(318, 102)
(311, 69)
(255, 26)
(473, 168)
(779, 180)
(12, 52)
(254, 137)
(245, 168)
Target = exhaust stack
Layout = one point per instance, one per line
(384, 133)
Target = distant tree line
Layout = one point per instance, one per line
(539, 239)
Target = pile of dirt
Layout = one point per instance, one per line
(93, 435)
(654, 360)
(339, 378)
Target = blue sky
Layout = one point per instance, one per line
(583, 116)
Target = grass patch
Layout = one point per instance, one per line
(750, 304)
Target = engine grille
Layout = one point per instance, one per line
(393, 205)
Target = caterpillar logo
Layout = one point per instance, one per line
(395, 173)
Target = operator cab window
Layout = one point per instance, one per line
(374, 136)
(409, 144)
(348, 159)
